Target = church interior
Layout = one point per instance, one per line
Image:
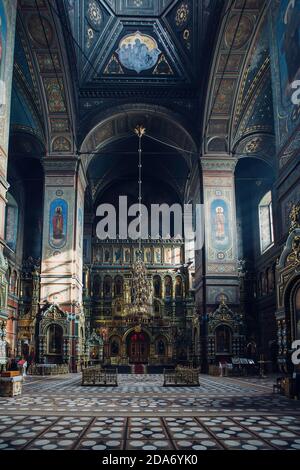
(190, 103)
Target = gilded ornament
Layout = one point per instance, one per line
(182, 14)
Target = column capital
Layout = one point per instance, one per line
(220, 162)
(57, 164)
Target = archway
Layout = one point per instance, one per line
(223, 335)
(55, 344)
(138, 347)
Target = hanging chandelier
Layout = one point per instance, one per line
(141, 291)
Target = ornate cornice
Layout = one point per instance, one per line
(219, 163)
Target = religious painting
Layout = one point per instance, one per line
(127, 255)
(55, 94)
(157, 255)
(168, 255)
(97, 254)
(176, 255)
(138, 52)
(58, 223)
(220, 224)
(286, 66)
(117, 254)
(148, 257)
(107, 255)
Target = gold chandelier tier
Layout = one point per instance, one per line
(141, 292)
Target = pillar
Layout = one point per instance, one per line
(220, 281)
(8, 21)
(62, 252)
(220, 230)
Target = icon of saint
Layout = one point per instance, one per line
(220, 223)
(58, 224)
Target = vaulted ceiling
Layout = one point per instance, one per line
(157, 49)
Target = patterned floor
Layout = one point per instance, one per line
(57, 413)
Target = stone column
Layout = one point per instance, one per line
(8, 21)
(221, 273)
(220, 279)
(62, 265)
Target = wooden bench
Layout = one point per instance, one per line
(95, 376)
(181, 377)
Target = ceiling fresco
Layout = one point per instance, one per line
(153, 48)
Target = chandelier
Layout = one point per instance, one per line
(141, 291)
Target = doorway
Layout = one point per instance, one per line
(138, 348)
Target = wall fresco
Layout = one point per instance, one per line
(58, 223)
(285, 39)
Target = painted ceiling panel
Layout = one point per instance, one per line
(139, 7)
(139, 41)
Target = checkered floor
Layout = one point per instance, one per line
(58, 413)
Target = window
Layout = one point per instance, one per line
(266, 222)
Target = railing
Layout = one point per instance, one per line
(48, 369)
(181, 376)
(96, 376)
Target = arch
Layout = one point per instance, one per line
(223, 339)
(138, 346)
(55, 335)
(119, 122)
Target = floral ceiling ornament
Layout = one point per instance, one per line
(182, 14)
(94, 14)
(138, 52)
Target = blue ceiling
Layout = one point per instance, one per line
(163, 40)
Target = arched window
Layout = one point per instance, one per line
(55, 339)
(266, 222)
(223, 339)
(11, 222)
(168, 287)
